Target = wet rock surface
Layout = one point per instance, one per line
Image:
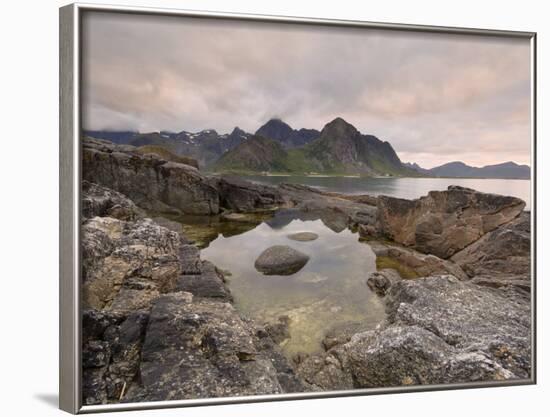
(414, 263)
(381, 281)
(280, 260)
(444, 222)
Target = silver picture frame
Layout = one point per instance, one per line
(70, 17)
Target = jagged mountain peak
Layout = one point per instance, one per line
(275, 129)
(339, 127)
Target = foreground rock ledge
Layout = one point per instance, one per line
(440, 330)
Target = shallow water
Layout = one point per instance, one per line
(330, 290)
(409, 188)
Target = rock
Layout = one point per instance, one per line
(396, 356)
(381, 281)
(337, 211)
(110, 354)
(243, 196)
(190, 260)
(115, 252)
(444, 222)
(324, 372)
(439, 330)
(303, 236)
(201, 349)
(341, 334)
(412, 264)
(279, 331)
(239, 217)
(104, 202)
(151, 182)
(208, 283)
(502, 257)
(280, 260)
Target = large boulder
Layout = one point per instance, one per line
(150, 181)
(501, 257)
(280, 260)
(243, 196)
(129, 260)
(444, 222)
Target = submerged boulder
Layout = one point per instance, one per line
(381, 281)
(444, 222)
(303, 236)
(280, 260)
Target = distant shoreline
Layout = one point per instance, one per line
(282, 174)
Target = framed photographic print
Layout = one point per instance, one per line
(259, 208)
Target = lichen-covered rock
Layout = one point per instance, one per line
(127, 258)
(280, 260)
(444, 222)
(150, 181)
(439, 330)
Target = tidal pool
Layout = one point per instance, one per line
(328, 292)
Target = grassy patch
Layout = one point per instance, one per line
(406, 272)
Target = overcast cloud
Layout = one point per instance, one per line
(435, 97)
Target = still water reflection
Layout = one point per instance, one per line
(329, 291)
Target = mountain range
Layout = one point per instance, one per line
(457, 169)
(338, 149)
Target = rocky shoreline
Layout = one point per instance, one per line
(159, 323)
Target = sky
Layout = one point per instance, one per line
(435, 97)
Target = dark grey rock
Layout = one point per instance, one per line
(201, 349)
(208, 283)
(243, 196)
(280, 260)
(151, 182)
